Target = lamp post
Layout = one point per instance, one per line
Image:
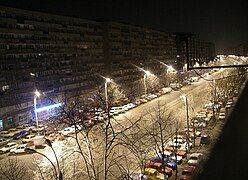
(106, 91)
(185, 99)
(37, 94)
(146, 73)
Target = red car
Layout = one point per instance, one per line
(158, 167)
(179, 152)
(188, 173)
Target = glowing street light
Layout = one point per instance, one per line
(37, 94)
(146, 74)
(107, 80)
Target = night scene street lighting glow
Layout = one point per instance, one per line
(169, 67)
(37, 94)
(146, 74)
(107, 80)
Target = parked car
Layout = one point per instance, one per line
(153, 174)
(67, 131)
(177, 158)
(169, 162)
(222, 116)
(188, 173)
(229, 104)
(3, 141)
(158, 167)
(28, 138)
(197, 133)
(8, 147)
(175, 86)
(143, 100)
(116, 110)
(19, 149)
(138, 176)
(12, 132)
(205, 139)
(195, 159)
(4, 134)
(21, 134)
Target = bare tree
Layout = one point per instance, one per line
(12, 169)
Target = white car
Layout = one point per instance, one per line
(8, 147)
(195, 159)
(228, 104)
(116, 110)
(19, 149)
(178, 158)
(3, 141)
(67, 131)
(184, 146)
(222, 116)
(28, 138)
(191, 132)
(4, 133)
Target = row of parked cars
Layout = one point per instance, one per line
(172, 156)
(16, 140)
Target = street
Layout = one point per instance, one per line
(198, 94)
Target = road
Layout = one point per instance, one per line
(197, 93)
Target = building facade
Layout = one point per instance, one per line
(58, 55)
(54, 54)
(199, 51)
(129, 47)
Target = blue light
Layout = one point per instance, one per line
(48, 107)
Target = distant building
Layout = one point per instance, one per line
(199, 51)
(240, 50)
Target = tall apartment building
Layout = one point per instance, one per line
(58, 54)
(199, 51)
(127, 46)
(54, 54)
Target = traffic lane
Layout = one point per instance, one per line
(169, 101)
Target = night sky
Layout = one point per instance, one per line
(223, 22)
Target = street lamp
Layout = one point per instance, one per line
(146, 73)
(185, 99)
(36, 94)
(106, 91)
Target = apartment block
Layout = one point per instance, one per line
(58, 55)
(128, 47)
(55, 54)
(199, 51)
